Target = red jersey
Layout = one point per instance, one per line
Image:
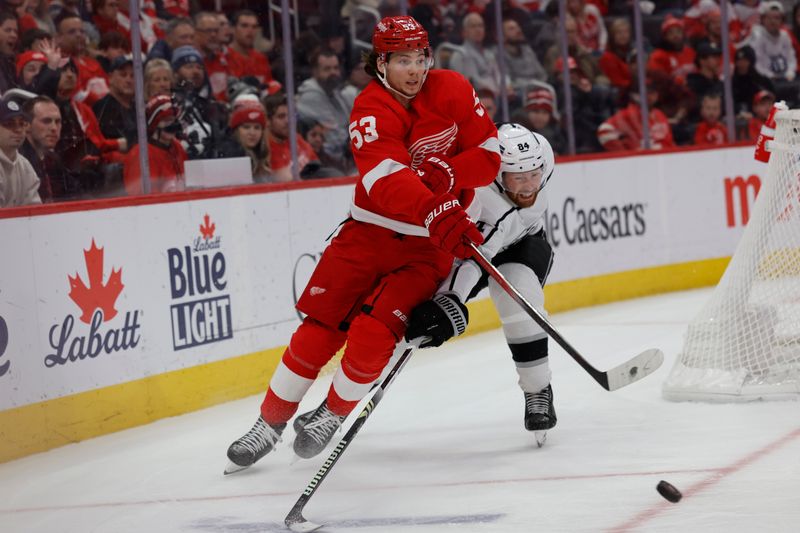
(616, 70)
(254, 63)
(623, 131)
(218, 69)
(674, 64)
(166, 168)
(389, 141)
(92, 79)
(280, 153)
(710, 133)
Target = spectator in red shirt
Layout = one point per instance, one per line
(279, 149)
(614, 61)
(623, 131)
(762, 105)
(206, 40)
(166, 155)
(71, 38)
(245, 60)
(672, 55)
(710, 131)
(105, 17)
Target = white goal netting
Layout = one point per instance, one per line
(745, 343)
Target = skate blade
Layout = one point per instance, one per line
(541, 437)
(232, 468)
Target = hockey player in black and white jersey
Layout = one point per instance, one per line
(511, 219)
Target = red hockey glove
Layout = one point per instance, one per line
(437, 174)
(449, 226)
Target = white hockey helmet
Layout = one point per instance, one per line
(522, 150)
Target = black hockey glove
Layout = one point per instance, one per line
(440, 318)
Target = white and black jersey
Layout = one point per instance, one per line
(502, 224)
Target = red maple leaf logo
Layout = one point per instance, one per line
(97, 295)
(207, 229)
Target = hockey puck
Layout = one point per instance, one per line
(669, 492)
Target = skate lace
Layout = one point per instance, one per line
(259, 437)
(322, 425)
(539, 402)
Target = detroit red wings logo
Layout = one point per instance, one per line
(97, 295)
(437, 143)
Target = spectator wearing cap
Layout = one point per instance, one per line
(522, 65)
(248, 124)
(762, 105)
(539, 116)
(115, 111)
(165, 154)
(706, 77)
(278, 135)
(179, 32)
(56, 182)
(71, 39)
(9, 35)
(206, 117)
(207, 42)
(747, 81)
(672, 55)
(591, 27)
(775, 56)
(19, 184)
(321, 97)
(710, 131)
(614, 61)
(29, 65)
(624, 131)
(244, 59)
(157, 78)
(590, 105)
(477, 64)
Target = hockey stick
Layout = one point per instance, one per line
(632, 370)
(295, 520)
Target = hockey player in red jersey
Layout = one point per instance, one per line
(422, 142)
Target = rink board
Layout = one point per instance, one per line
(115, 317)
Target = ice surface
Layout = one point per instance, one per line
(446, 451)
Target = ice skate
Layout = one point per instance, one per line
(540, 415)
(317, 431)
(300, 421)
(253, 445)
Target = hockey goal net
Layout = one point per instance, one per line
(745, 343)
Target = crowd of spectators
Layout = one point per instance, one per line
(214, 80)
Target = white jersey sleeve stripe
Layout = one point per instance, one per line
(381, 170)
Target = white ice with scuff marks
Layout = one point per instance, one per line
(446, 451)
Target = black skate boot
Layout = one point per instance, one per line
(300, 421)
(317, 431)
(540, 415)
(253, 445)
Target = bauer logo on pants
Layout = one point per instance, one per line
(201, 311)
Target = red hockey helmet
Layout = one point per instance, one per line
(399, 33)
